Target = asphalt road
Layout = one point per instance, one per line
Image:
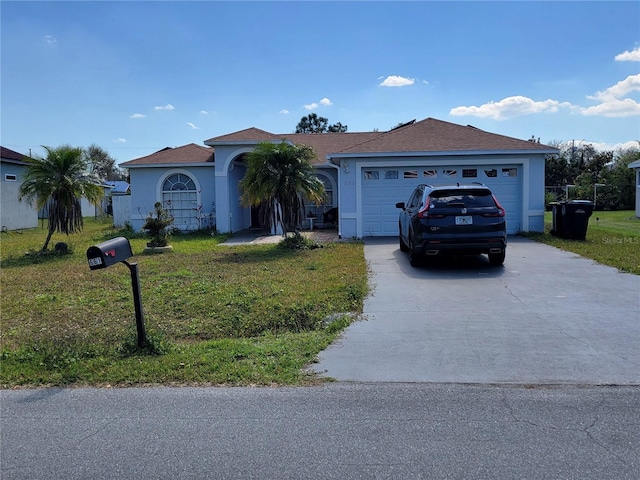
(336, 431)
(529, 372)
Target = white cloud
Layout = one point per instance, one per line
(601, 146)
(613, 102)
(284, 111)
(614, 108)
(51, 39)
(396, 81)
(325, 102)
(193, 127)
(137, 115)
(121, 140)
(629, 56)
(204, 112)
(168, 106)
(510, 107)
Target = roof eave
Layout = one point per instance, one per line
(333, 156)
(251, 143)
(15, 162)
(167, 165)
(635, 164)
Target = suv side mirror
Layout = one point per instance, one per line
(400, 205)
(109, 253)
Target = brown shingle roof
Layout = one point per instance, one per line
(248, 134)
(190, 153)
(322, 143)
(8, 154)
(431, 135)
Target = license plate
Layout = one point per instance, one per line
(465, 220)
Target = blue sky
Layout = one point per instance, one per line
(135, 77)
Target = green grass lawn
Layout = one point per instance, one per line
(214, 314)
(613, 238)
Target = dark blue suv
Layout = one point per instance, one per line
(461, 219)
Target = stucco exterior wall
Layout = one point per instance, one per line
(14, 214)
(534, 211)
(230, 216)
(146, 189)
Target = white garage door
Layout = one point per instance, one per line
(382, 188)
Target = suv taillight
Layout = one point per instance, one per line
(500, 213)
(424, 211)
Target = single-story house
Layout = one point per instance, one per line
(14, 213)
(636, 166)
(365, 174)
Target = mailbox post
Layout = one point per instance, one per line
(114, 251)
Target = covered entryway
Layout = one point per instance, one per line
(383, 187)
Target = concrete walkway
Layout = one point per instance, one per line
(253, 237)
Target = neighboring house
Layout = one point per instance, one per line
(120, 203)
(365, 175)
(111, 188)
(14, 214)
(636, 166)
(118, 187)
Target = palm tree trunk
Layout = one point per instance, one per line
(46, 243)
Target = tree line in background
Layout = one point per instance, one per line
(580, 172)
(100, 163)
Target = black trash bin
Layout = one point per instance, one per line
(576, 215)
(557, 227)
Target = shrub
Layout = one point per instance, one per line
(158, 226)
(298, 242)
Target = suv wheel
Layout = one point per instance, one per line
(497, 259)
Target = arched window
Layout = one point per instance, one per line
(317, 211)
(180, 197)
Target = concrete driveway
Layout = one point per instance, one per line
(546, 317)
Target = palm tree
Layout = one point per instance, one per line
(57, 183)
(278, 178)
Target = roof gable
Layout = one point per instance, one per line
(248, 134)
(186, 154)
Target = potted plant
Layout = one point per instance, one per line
(157, 226)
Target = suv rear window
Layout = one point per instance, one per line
(462, 198)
